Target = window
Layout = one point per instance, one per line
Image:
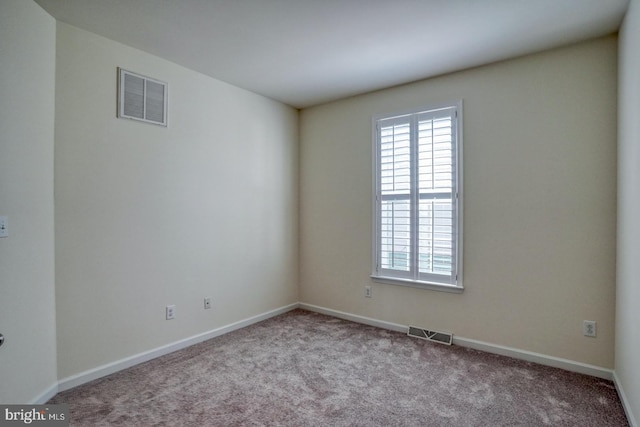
(141, 98)
(418, 198)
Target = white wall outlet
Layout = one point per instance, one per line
(171, 312)
(367, 291)
(4, 226)
(207, 303)
(589, 328)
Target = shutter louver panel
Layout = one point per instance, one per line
(436, 190)
(141, 98)
(395, 186)
(395, 159)
(133, 96)
(435, 154)
(154, 102)
(396, 235)
(435, 237)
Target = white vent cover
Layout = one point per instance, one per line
(141, 98)
(425, 334)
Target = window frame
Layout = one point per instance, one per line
(412, 278)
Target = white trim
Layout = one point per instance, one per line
(355, 318)
(542, 359)
(118, 365)
(460, 194)
(626, 405)
(418, 284)
(46, 395)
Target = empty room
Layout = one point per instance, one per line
(305, 212)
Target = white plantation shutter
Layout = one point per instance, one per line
(395, 186)
(142, 98)
(417, 197)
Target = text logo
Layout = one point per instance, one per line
(37, 415)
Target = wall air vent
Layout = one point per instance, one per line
(142, 98)
(425, 334)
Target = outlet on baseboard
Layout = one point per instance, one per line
(589, 328)
(171, 312)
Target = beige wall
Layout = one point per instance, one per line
(540, 204)
(628, 291)
(27, 97)
(148, 216)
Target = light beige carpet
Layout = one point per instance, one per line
(306, 369)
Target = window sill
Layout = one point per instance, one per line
(418, 284)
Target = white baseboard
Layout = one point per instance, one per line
(118, 365)
(542, 359)
(354, 318)
(625, 401)
(529, 356)
(46, 395)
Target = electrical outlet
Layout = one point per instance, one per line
(589, 328)
(207, 303)
(367, 291)
(4, 226)
(171, 312)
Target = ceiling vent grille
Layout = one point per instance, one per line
(425, 334)
(141, 98)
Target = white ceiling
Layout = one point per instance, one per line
(306, 52)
